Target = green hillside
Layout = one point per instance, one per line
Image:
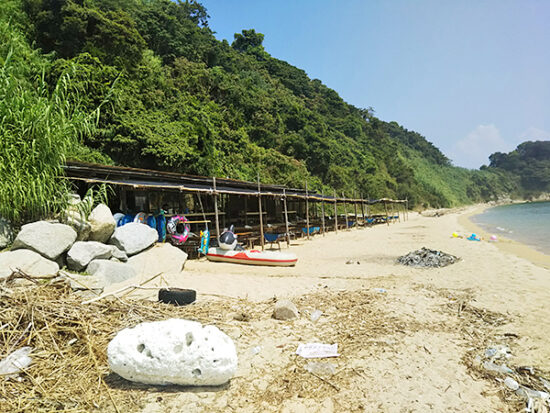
(145, 83)
(529, 163)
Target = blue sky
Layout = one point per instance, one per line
(473, 76)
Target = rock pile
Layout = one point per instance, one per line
(427, 258)
(95, 246)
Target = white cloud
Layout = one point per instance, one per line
(474, 149)
(534, 134)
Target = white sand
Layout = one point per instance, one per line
(416, 361)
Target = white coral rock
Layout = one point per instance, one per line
(173, 351)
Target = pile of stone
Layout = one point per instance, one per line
(427, 258)
(94, 246)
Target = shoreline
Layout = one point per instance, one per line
(505, 244)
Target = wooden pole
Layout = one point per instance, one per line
(123, 201)
(323, 212)
(245, 210)
(286, 219)
(307, 212)
(363, 209)
(355, 207)
(345, 210)
(335, 214)
(407, 207)
(260, 211)
(216, 208)
(392, 213)
(387, 218)
(398, 212)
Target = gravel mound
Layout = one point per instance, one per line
(427, 258)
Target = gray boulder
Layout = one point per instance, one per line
(6, 233)
(102, 223)
(162, 258)
(48, 239)
(82, 252)
(110, 272)
(118, 254)
(28, 261)
(134, 237)
(285, 310)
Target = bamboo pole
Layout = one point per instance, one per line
(386, 208)
(398, 212)
(307, 213)
(260, 210)
(216, 208)
(323, 212)
(355, 207)
(363, 209)
(245, 211)
(286, 219)
(335, 214)
(345, 210)
(392, 213)
(367, 205)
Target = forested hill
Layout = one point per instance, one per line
(166, 94)
(529, 163)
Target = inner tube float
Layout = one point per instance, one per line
(140, 218)
(117, 217)
(228, 240)
(178, 238)
(125, 220)
(151, 221)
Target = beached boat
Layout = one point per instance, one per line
(253, 257)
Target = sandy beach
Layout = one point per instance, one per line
(415, 346)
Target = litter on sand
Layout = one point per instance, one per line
(16, 362)
(317, 350)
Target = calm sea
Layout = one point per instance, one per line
(527, 223)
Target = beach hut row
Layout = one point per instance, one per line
(261, 213)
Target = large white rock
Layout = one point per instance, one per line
(83, 252)
(102, 222)
(134, 237)
(110, 272)
(118, 254)
(28, 261)
(48, 239)
(161, 258)
(173, 351)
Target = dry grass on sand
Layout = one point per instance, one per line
(70, 371)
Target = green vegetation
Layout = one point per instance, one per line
(145, 83)
(529, 163)
(40, 124)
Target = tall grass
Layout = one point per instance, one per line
(39, 125)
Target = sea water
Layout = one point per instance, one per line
(528, 223)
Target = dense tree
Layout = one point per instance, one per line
(171, 96)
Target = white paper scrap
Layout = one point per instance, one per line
(317, 350)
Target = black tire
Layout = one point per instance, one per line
(177, 296)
